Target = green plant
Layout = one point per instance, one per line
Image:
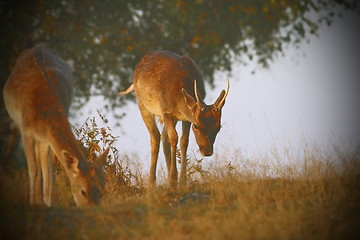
(96, 137)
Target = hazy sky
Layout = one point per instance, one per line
(311, 95)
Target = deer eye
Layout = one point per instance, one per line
(195, 127)
(83, 193)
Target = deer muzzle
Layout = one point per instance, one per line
(206, 151)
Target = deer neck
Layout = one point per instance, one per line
(62, 138)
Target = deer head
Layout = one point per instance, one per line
(205, 118)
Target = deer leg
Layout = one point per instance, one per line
(29, 148)
(167, 150)
(170, 123)
(53, 162)
(47, 173)
(34, 170)
(38, 177)
(150, 123)
(184, 142)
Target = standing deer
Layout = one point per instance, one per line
(171, 87)
(37, 97)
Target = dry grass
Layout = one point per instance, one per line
(231, 198)
(319, 201)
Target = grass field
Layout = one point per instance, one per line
(319, 198)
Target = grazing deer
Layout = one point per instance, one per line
(37, 97)
(171, 87)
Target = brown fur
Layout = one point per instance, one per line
(164, 86)
(37, 96)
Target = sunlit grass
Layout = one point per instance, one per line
(320, 201)
(315, 196)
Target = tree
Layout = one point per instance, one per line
(104, 39)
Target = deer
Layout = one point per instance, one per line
(37, 96)
(171, 87)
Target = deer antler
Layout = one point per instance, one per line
(196, 92)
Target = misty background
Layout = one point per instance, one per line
(293, 67)
(309, 97)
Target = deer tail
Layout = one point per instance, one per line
(128, 90)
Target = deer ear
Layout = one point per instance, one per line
(220, 100)
(101, 160)
(189, 100)
(71, 163)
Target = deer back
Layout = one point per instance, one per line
(37, 96)
(159, 79)
(40, 87)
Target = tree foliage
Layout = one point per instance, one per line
(104, 39)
